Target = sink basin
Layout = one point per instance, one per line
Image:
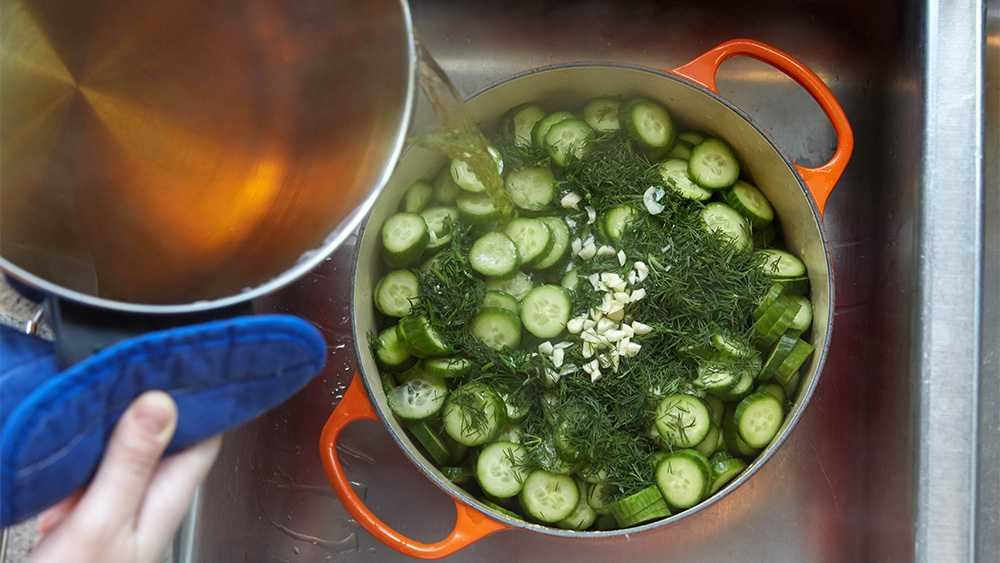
(882, 466)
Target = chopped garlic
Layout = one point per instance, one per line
(591, 215)
(606, 250)
(576, 245)
(632, 349)
(621, 257)
(588, 350)
(604, 325)
(588, 251)
(651, 199)
(558, 355)
(616, 315)
(614, 335)
(589, 324)
(641, 328)
(575, 325)
(641, 269)
(545, 347)
(571, 201)
(637, 295)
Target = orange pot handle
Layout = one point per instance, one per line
(470, 524)
(821, 180)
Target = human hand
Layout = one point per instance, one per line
(135, 503)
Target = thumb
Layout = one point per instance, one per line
(132, 454)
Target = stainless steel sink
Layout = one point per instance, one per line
(883, 465)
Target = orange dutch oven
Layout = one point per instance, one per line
(798, 195)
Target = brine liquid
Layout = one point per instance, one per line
(458, 135)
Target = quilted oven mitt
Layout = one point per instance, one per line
(54, 424)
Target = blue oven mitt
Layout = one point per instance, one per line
(54, 424)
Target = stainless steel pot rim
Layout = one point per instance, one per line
(308, 261)
(361, 342)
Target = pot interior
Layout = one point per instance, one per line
(692, 107)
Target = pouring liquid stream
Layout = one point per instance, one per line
(459, 136)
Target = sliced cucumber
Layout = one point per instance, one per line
(692, 137)
(618, 219)
(447, 368)
(417, 197)
(568, 140)
(781, 350)
(776, 320)
(724, 469)
(600, 497)
(643, 506)
(790, 367)
(560, 243)
(532, 238)
(445, 188)
(541, 128)
(602, 114)
(521, 120)
(404, 238)
(583, 516)
(477, 209)
(713, 165)
(430, 437)
(419, 398)
(773, 389)
(466, 179)
(532, 189)
(675, 175)
(782, 264)
(716, 377)
(440, 219)
(684, 478)
(803, 319)
(648, 122)
(682, 420)
(720, 217)
(747, 199)
(735, 443)
(391, 353)
(758, 418)
(473, 414)
(500, 300)
(421, 339)
(396, 292)
(499, 469)
(495, 255)
(549, 498)
(497, 328)
(545, 310)
(681, 151)
(517, 285)
(711, 442)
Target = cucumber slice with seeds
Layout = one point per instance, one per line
(568, 140)
(419, 398)
(724, 469)
(531, 189)
(517, 285)
(494, 299)
(391, 352)
(473, 414)
(674, 173)
(497, 328)
(713, 165)
(684, 478)
(466, 179)
(521, 120)
(618, 219)
(648, 122)
(549, 498)
(396, 292)
(758, 418)
(404, 238)
(495, 255)
(682, 420)
(532, 237)
(602, 114)
(720, 217)
(541, 128)
(545, 311)
(499, 469)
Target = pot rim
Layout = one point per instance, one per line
(305, 263)
(805, 394)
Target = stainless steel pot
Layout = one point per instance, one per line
(186, 156)
(798, 195)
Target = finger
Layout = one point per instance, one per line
(133, 452)
(51, 517)
(172, 490)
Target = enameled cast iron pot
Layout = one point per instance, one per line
(798, 195)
